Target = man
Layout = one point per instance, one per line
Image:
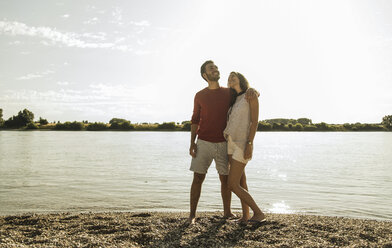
(208, 122)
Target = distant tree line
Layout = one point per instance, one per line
(265, 126)
(25, 120)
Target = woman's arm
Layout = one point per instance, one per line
(254, 121)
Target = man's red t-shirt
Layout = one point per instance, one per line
(210, 113)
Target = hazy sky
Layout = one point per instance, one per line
(327, 60)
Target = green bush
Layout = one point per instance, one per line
(21, 120)
(304, 121)
(298, 127)
(117, 120)
(264, 126)
(357, 127)
(281, 120)
(43, 121)
(387, 121)
(126, 125)
(279, 127)
(347, 126)
(146, 127)
(31, 126)
(74, 126)
(167, 125)
(186, 125)
(96, 126)
(322, 126)
(121, 124)
(115, 125)
(310, 128)
(1, 118)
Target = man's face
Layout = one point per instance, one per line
(212, 72)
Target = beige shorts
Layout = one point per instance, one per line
(236, 152)
(208, 151)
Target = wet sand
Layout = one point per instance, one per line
(127, 229)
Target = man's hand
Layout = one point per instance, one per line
(193, 150)
(248, 151)
(250, 94)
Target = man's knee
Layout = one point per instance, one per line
(223, 178)
(198, 178)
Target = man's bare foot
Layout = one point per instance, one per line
(229, 216)
(191, 220)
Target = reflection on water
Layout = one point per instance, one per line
(280, 208)
(339, 174)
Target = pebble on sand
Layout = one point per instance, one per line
(157, 229)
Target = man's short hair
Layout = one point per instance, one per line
(203, 68)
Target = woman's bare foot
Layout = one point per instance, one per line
(258, 217)
(242, 220)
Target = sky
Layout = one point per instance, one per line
(330, 61)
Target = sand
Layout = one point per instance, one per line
(119, 229)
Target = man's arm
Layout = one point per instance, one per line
(193, 147)
(195, 125)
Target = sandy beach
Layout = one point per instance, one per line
(127, 229)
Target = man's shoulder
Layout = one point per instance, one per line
(205, 90)
(201, 92)
(226, 90)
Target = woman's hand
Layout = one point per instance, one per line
(248, 151)
(251, 94)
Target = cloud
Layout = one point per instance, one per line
(117, 16)
(118, 19)
(54, 37)
(35, 75)
(93, 20)
(65, 16)
(143, 23)
(50, 96)
(101, 94)
(96, 36)
(17, 42)
(98, 102)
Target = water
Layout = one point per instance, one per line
(332, 174)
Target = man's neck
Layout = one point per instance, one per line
(212, 85)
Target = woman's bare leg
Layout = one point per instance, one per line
(245, 207)
(236, 172)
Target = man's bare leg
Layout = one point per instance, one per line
(226, 196)
(195, 195)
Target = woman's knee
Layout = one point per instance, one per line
(232, 185)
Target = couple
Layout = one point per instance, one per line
(225, 123)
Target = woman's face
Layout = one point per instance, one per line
(233, 81)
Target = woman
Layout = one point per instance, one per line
(239, 133)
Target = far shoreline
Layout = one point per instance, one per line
(271, 131)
